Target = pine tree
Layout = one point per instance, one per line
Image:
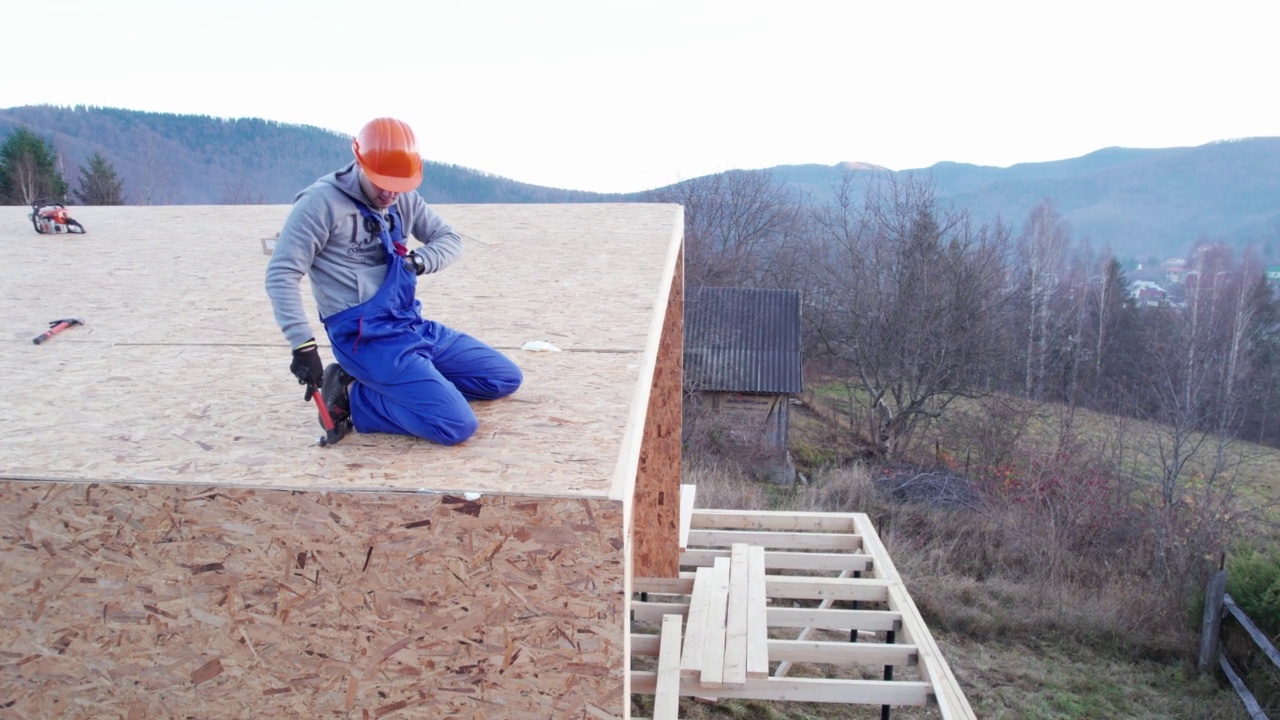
(29, 170)
(99, 184)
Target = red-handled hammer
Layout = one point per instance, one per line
(55, 327)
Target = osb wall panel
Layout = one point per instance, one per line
(160, 601)
(180, 374)
(656, 521)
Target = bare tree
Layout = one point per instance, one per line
(906, 303)
(1042, 247)
(738, 227)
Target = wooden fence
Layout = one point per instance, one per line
(1218, 604)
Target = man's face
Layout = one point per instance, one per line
(377, 197)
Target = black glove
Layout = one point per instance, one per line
(306, 365)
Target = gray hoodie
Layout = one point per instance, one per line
(324, 238)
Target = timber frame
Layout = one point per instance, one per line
(755, 579)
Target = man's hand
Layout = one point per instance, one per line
(416, 263)
(306, 365)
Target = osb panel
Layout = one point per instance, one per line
(231, 416)
(181, 375)
(656, 522)
(135, 601)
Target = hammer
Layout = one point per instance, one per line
(55, 327)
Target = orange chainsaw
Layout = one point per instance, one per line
(52, 217)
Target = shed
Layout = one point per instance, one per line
(742, 365)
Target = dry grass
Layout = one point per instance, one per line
(1075, 637)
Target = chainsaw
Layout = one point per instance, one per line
(52, 217)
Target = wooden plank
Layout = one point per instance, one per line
(787, 560)
(663, 586)
(774, 520)
(735, 640)
(688, 494)
(1259, 638)
(835, 619)
(1242, 691)
(712, 675)
(775, 539)
(666, 701)
(816, 652)
(695, 641)
(823, 690)
(843, 653)
(822, 588)
(781, 617)
(757, 616)
(933, 667)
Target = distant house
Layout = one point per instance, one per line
(1175, 270)
(1147, 294)
(741, 367)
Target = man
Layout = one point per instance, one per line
(396, 372)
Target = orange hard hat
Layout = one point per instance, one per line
(388, 153)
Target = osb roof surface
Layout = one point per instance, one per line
(180, 374)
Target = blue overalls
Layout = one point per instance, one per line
(413, 376)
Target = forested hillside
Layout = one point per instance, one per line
(1142, 204)
(1139, 203)
(168, 159)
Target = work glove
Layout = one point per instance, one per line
(306, 365)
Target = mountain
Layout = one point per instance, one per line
(168, 159)
(1138, 202)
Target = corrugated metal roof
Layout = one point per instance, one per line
(742, 340)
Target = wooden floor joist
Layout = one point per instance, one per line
(749, 572)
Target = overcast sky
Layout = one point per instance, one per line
(624, 96)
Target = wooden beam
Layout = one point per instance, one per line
(1259, 638)
(842, 653)
(699, 608)
(780, 617)
(1242, 691)
(663, 586)
(773, 520)
(666, 702)
(952, 702)
(712, 675)
(757, 616)
(777, 540)
(814, 652)
(688, 494)
(787, 560)
(735, 636)
(823, 690)
(822, 588)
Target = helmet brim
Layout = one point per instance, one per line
(395, 184)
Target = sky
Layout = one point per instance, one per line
(617, 96)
